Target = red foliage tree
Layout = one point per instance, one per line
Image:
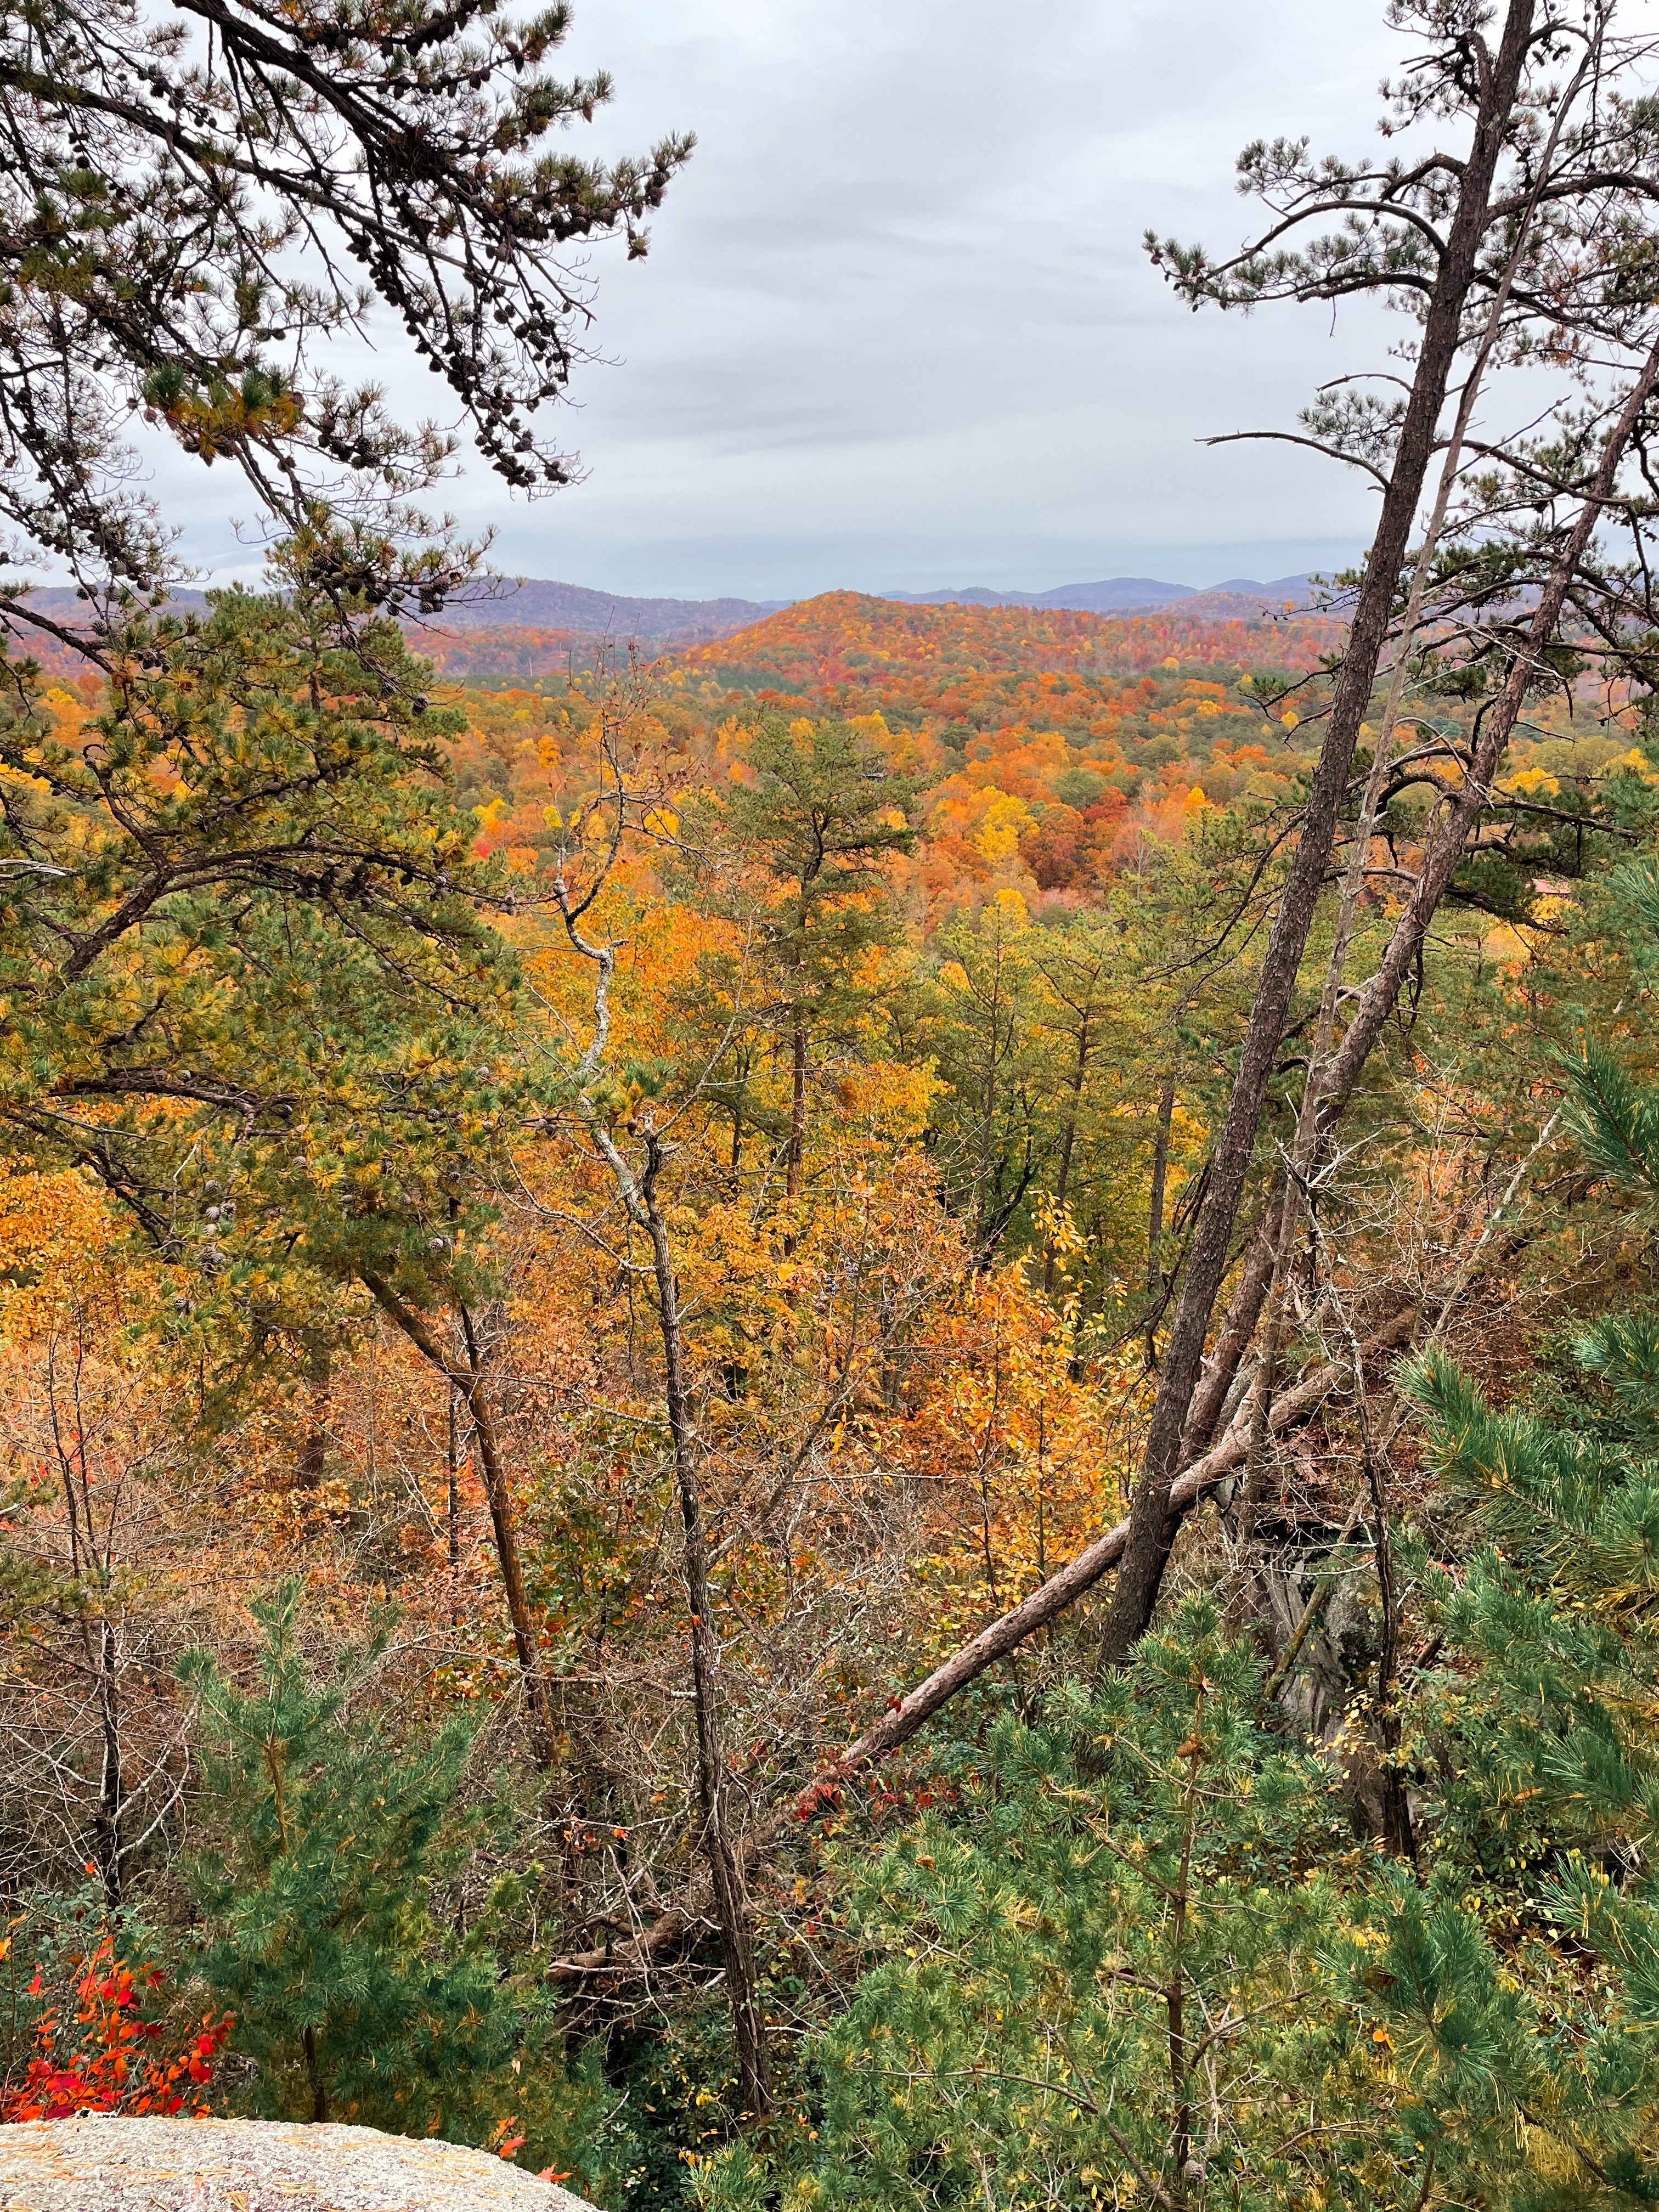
(105, 2055)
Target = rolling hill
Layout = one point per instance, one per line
(1116, 595)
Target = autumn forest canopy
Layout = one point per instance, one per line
(869, 1417)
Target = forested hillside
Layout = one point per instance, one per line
(865, 1417)
(882, 1051)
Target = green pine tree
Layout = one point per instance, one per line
(798, 860)
(251, 981)
(354, 2003)
(1110, 1968)
(1552, 1818)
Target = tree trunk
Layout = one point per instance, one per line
(1063, 1180)
(312, 1458)
(987, 1122)
(1272, 1337)
(314, 2070)
(1239, 1325)
(1160, 1169)
(110, 1802)
(1446, 847)
(738, 1104)
(470, 1381)
(748, 2018)
(795, 1150)
(1152, 1523)
(453, 1487)
(498, 1493)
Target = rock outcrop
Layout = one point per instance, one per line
(101, 2164)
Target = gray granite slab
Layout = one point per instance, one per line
(103, 2164)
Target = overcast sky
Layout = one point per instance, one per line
(896, 329)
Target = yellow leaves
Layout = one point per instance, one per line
(1004, 821)
(1291, 718)
(889, 1099)
(551, 818)
(56, 1252)
(1056, 1230)
(1538, 782)
(65, 709)
(1025, 1460)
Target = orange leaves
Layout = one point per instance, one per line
(843, 636)
(101, 2056)
(997, 708)
(55, 1252)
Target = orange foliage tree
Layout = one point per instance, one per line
(95, 2045)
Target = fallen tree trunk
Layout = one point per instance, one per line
(908, 1714)
(1080, 1574)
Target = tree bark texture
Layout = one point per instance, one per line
(1233, 1341)
(1160, 1169)
(1152, 1524)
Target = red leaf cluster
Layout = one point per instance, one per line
(103, 2056)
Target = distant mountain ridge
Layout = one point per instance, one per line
(533, 603)
(540, 605)
(527, 603)
(1115, 595)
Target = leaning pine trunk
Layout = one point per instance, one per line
(1447, 844)
(1152, 1526)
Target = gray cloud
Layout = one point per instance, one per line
(895, 328)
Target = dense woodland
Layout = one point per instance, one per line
(871, 1416)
